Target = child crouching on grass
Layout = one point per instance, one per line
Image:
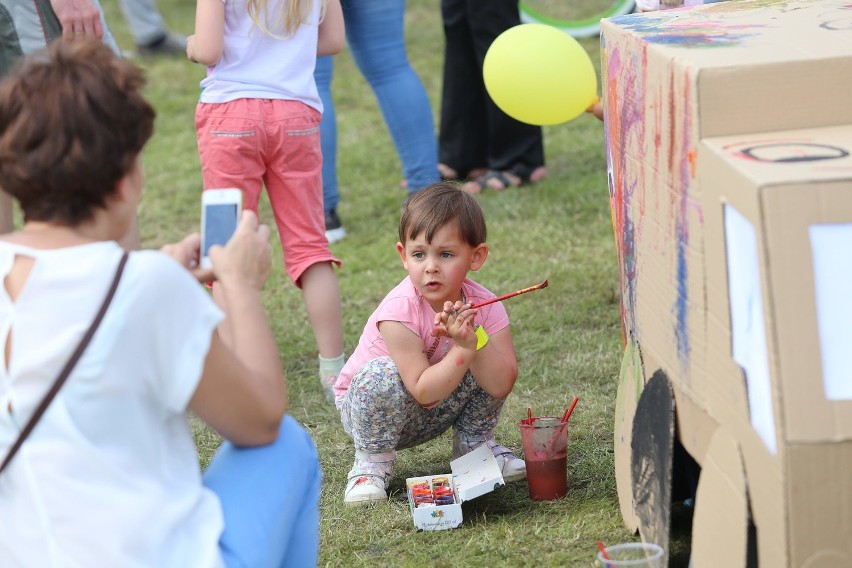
(426, 361)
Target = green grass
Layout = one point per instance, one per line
(568, 336)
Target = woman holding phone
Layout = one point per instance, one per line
(108, 475)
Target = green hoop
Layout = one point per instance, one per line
(586, 27)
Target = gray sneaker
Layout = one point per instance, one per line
(169, 43)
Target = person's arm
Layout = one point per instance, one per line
(242, 393)
(430, 384)
(78, 18)
(597, 110)
(332, 33)
(495, 366)
(206, 45)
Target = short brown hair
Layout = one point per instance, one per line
(438, 205)
(72, 122)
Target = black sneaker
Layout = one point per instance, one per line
(168, 44)
(334, 230)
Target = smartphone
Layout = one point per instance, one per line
(220, 213)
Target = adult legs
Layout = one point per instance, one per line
(375, 33)
(270, 500)
(144, 20)
(328, 132)
(463, 137)
(510, 142)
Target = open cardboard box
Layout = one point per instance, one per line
(474, 474)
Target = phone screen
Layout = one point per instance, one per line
(220, 222)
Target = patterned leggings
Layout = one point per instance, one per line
(382, 416)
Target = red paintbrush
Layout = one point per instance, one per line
(510, 295)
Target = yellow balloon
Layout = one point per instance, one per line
(539, 75)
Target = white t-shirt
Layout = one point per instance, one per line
(109, 476)
(255, 65)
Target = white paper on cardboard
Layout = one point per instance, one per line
(476, 473)
(830, 246)
(748, 330)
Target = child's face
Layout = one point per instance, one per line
(437, 269)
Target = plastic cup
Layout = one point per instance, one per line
(633, 554)
(545, 441)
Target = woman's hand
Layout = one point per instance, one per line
(78, 19)
(247, 257)
(186, 252)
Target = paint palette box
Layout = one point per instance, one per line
(473, 474)
(729, 156)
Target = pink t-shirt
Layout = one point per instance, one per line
(406, 305)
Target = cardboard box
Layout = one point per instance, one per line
(473, 474)
(728, 148)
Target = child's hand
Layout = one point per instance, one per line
(190, 48)
(456, 321)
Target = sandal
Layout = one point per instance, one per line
(516, 176)
(449, 174)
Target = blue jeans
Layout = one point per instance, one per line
(376, 38)
(270, 500)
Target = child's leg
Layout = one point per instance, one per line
(476, 421)
(382, 416)
(475, 426)
(322, 303)
(270, 500)
(294, 185)
(377, 412)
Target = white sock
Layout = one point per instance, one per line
(331, 367)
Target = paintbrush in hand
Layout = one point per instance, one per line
(510, 295)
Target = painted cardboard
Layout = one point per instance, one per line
(473, 475)
(728, 137)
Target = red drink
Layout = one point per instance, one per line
(547, 479)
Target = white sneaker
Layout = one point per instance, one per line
(367, 481)
(365, 489)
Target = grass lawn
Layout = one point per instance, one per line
(568, 336)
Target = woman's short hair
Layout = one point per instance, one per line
(72, 123)
(438, 205)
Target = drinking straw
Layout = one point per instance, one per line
(602, 548)
(529, 415)
(562, 425)
(568, 412)
(510, 295)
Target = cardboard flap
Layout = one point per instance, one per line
(630, 386)
(721, 506)
(476, 473)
